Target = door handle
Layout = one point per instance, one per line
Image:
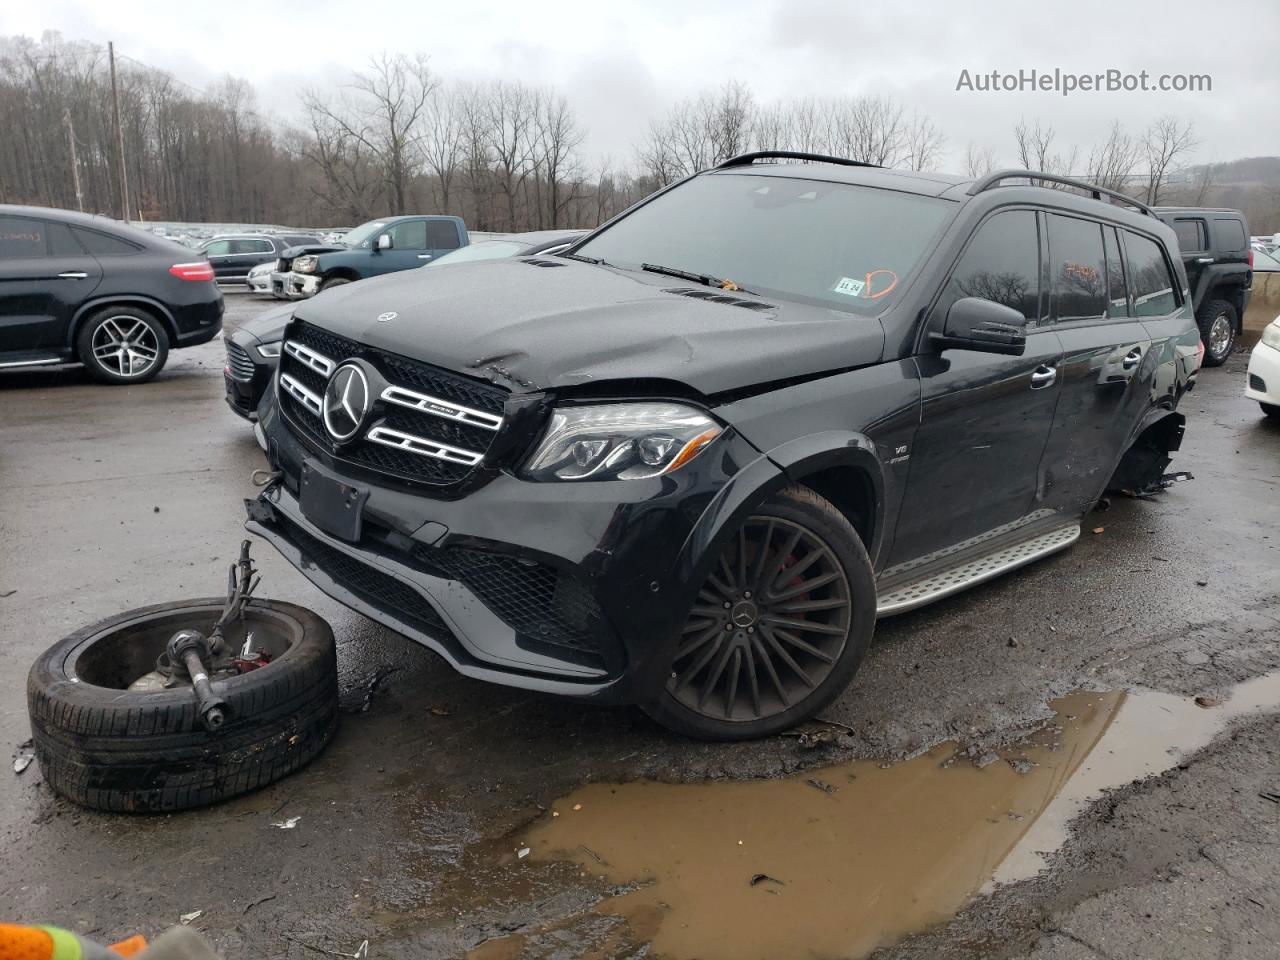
(1043, 376)
(1204, 259)
(424, 256)
(72, 275)
(1132, 358)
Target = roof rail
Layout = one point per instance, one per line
(994, 179)
(746, 159)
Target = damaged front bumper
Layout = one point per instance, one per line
(577, 589)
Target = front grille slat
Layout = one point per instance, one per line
(239, 362)
(436, 426)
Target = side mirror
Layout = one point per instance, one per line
(383, 242)
(984, 326)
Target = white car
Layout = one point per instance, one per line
(259, 278)
(1264, 371)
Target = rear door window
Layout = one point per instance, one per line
(1001, 263)
(409, 235)
(104, 244)
(252, 246)
(1150, 277)
(442, 235)
(1078, 268)
(23, 238)
(1190, 235)
(1229, 235)
(217, 248)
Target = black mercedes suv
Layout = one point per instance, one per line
(82, 288)
(688, 463)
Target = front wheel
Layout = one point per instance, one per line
(779, 627)
(122, 345)
(1217, 322)
(332, 282)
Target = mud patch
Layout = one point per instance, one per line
(839, 861)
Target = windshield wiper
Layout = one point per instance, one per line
(585, 259)
(703, 278)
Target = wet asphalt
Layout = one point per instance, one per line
(120, 497)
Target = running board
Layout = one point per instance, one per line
(984, 568)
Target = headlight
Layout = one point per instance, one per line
(620, 441)
(269, 349)
(305, 264)
(1271, 334)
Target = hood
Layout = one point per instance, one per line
(530, 324)
(269, 326)
(289, 253)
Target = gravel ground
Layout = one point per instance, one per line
(122, 497)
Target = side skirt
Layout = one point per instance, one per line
(975, 571)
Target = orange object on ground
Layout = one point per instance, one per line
(51, 943)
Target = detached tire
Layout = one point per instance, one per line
(104, 746)
(1217, 322)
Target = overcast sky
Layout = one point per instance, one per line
(621, 62)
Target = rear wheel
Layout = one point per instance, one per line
(779, 627)
(122, 345)
(1217, 322)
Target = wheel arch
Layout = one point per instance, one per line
(154, 306)
(341, 273)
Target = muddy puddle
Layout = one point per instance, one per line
(837, 861)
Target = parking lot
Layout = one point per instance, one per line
(407, 832)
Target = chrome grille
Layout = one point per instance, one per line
(435, 426)
(239, 362)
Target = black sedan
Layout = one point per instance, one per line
(253, 349)
(233, 256)
(75, 287)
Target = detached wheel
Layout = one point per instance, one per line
(105, 746)
(779, 627)
(1217, 322)
(122, 345)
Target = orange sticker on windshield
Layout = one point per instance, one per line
(888, 280)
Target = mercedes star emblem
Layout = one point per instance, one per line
(346, 402)
(387, 317)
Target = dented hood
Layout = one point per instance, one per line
(566, 323)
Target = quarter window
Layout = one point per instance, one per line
(1150, 277)
(252, 246)
(21, 238)
(1001, 263)
(1117, 299)
(1078, 268)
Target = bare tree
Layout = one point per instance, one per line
(1112, 162)
(1165, 143)
(1035, 150)
(558, 139)
(923, 143)
(509, 112)
(978, 161)
(442, 142)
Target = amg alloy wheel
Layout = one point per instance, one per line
(779, 626)
(123, 346)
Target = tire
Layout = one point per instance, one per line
(332, 282)
(1217, 321)
(728, 706)
(110, 748)
(1270, 410)
(145, 353)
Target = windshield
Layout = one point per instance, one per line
(833, 244)
(486, 250)
(361, 236)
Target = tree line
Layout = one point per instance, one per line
(396, 137)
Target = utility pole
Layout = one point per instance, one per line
(75, 165)
(115, 119)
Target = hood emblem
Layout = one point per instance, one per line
(387, 317)
(346, 402)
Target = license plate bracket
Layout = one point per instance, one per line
(332, 504)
